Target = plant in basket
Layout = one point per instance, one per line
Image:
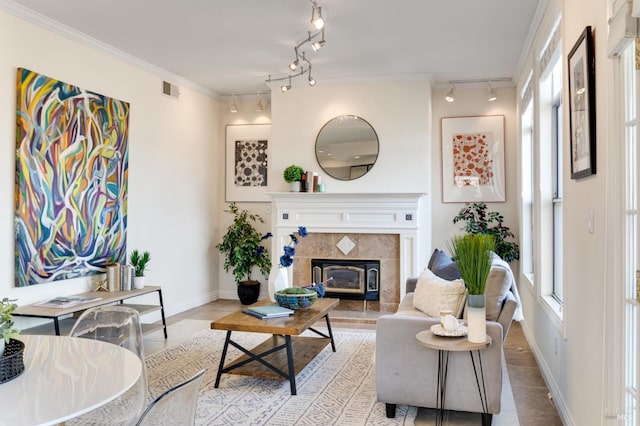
(11, 350)
(7, 332)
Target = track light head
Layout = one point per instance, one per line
(317, 45)
(491, 94)
(317, 21)
(286, 87)
(449, 96)
(294, 64)
(312, 81)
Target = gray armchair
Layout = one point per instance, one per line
(406, 371)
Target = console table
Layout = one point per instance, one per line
(64, 318)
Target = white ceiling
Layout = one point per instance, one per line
(232, 46)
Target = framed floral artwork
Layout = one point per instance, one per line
(246, 162)
(473, 167)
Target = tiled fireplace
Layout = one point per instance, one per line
(378, 227)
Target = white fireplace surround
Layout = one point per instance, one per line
(362, 213)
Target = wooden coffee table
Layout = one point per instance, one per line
(285, 353)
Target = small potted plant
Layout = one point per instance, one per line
(472, 253)
(293, 175)
(7, 332)
(243, 249)
(139, 261)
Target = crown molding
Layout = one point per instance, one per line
(67, 32)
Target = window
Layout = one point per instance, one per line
(548, 175)
(527, 182)
(630, 130)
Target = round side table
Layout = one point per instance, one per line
(444, 346)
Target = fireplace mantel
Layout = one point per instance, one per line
(362, 213)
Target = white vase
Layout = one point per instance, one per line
(138, 282)
(476, 318)
(294, 186)
(278, 280)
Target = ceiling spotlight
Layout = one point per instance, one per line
(286, 87)
(317, 21)
(491, 94)
(312, 81)
(293, 65)
(449, 96)
(233, 107)
(317, 45)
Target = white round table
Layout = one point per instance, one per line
(65, 377)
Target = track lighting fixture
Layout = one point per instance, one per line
(316, 20)
(233, 107)
(491, 94)
(301, 64)
(449, 96)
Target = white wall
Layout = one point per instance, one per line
(174, 190)
(470, 102)
(400, 113)
(570, 354)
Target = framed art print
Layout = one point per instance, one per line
(246, 162)
(473, 159)
(582, 101)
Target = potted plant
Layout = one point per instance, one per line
(7, 332)
(139, 262)
(479, 221)
(472, 253)
(243, 249)
(293, 175)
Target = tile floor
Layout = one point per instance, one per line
(529, 389)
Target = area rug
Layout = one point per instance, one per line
(335, 388)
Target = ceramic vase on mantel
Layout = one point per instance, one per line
(278, 280)
(476, 318)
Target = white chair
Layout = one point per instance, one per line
(121, 326)
(176, 406)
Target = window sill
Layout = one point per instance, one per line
(553, 310)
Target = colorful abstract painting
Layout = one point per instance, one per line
(71, 180)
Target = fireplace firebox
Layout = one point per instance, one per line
(352, 279)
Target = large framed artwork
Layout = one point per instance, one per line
(473, 159)
(71, 180)
(247, 161)
(582, 106)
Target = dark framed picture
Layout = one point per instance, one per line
(247, 161)
(582, 106)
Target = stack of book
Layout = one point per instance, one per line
(66, 301)
(268, 311)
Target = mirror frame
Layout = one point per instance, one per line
(360, 171)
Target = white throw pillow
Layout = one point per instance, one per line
(434, 294)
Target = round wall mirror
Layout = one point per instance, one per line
(347, 147)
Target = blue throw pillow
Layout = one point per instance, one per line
(443, 266)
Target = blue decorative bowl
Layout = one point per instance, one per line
(296, 297)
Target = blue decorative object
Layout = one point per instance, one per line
(296, 297)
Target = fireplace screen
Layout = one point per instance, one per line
(347, 278)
